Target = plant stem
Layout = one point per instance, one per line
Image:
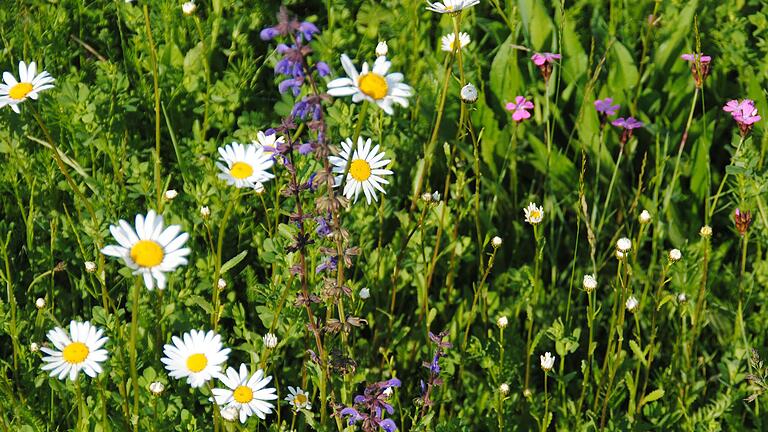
(156, 84)
(134, 331)
(722, 182)
(219, 251)
(671, 188)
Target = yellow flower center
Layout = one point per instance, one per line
(243, 394)
(20, 91)
(75, 353)
(300, 399)
(535, 214)
(360, 170)
(241, 170)
(147, 253)
(373, 85)
(197, 362)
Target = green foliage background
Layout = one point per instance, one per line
(216, 85)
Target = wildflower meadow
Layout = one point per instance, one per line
(362, 215)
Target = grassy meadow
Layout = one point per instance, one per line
(339, 215)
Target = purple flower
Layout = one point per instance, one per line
(519, 108)
(369, 407)
(704, 59)
(744, 112)
(322, 69)
(629, 123)
(606, 107)
(308, 29)
(743, 220)
(540, 59)
(329, 264)
(269, 33)
(699, 66)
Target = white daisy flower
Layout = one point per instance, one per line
(374, 85)
(632, 303)
(449, 41)
(197, 356)
(451, 6)
(149, 250)
(247, 393)
(624, 244)
(533, 214)
(76, 351)
(298, 399)
(246, 165)
(547, 361)
(30, 83)
(366, 169)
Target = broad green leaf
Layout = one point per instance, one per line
(233, 262)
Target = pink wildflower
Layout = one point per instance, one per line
(628, 125)
(606, 107)
(699, 63)
(519, 108)
(544, 62)
(744, 112)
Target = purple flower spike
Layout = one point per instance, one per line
(606, 107)
(628, 123)
(519, 108)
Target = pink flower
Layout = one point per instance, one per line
(744, 112)
(693, 57)
(519, 108)
(629, 123)
(699, 66)
(540, 59)
(604, 106)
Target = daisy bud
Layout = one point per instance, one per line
(527, 393)
(33, 347)
(620, 255)
(382, 49)
(504, 389)
(682, 298)
(230, 413)
(645, 217)
(205, 212)
(624, 244)
(632, 303)
(547, 361)
(365, 293)
(589, 283)
(436, 196)
(496, 242)
(469, 94)
(171, 194)
(221, 284)
(426, 197)
(156, 388)
(706, 231)
(189, 8)
(502, 322)
(270, 340)
(90, 266)
(40, 303)
(675, 255)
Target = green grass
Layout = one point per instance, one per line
(132, 116)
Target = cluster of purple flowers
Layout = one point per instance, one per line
(744, 112)
(369, 408)
(434, 379)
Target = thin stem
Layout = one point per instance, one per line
(134, 331)
(722, 182)
(671, 188)
(156, 84)
(544, 422)
(219, 251)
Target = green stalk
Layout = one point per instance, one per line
(544, 422)
(219, 251)
(534, 302)
(587, 372)
(156, 84)
(134, 331)
(722, 182)
(671, 188)
(500, 411)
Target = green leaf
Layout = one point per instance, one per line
(233, 262)
(505, 74)
(536, 22)
(652, 396)
(638, 352)
(624, 74)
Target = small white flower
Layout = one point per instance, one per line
(205, 212)
(533, 214)
(502, 322)
(197, 356)
(451, 6)
(706, 231)
(270, 340)
(675, 255)
(426, 197)
(81, 349)
(590, 283)
(90, 266)
(40, 303)
(496, 242)
(248, 393)
(189, 8)
(376, 84)
(504, 389)
(624, 244)
(645, 217)
(388, 392)
(33, 347)
(171, 194)
(632, 303)
(382, 49)
(620, 255)
(221, 284)
(230, 413)
(435, 196)
(247, 165)
(448, 42)
(547, 361)
(298, 399)
(468, 94)
(365, 293)
(29, 85)
(682, 298)
(156, 388)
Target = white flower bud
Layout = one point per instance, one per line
(270, 340)
(547, 361)
(365, 293)
(645, 217)
(40, 303)
(230, 413)
(682, 298)
(468, 94)
(706, 231)
(624, 244)
(90, 266)
(388, 392)
(189, 8)
(504, 389)
(496, 242)
(589, 283)
(502, 322)
(156, 388)
(426, 197)
(436, 196)
(171, 194)
(205, 212)
(675, 255)
(382, 49)
(632, 303)
(33, 347)
(221, 284)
